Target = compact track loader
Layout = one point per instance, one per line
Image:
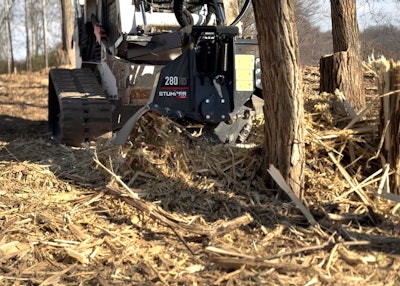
(183, 59)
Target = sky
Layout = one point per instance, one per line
(369, 13)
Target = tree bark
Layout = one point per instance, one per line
(390, 120)
(45, 36)
(27, 38)
(347, 50)
(68, 52)
(393, 155)
(328, 74)
(337, 73)
(34, 34)
(10, 54)
(345, 31)
(283, 108)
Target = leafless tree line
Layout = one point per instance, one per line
(377, 39)
(27, 25)
(40, 21)
(383, 39)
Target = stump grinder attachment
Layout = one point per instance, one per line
(176, 58)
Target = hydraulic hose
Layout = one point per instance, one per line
(180, 15)
(246, 6)
(184, 18)
(212, 7)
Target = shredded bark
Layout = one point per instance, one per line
(174, 208)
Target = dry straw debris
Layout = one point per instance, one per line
(171, 209)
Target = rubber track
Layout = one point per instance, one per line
(84, 112)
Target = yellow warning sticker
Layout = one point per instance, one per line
(244, 75)
(244, 72)
(244, 62)
(244, 85)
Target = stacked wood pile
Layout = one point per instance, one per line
(172, 209)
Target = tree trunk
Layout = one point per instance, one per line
(347, 75)
(27, 39)
(283, 108)
(345, 30)
(10, 54)
(45, 37)
(390, 121)
(328, 74)
(34, 35)
(393, 154)
(337, 73)
(68, 52)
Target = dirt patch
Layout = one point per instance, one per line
(174, 210)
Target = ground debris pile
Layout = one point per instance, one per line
(171, 209)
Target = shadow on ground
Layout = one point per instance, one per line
(12, 128)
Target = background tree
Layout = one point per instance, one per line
(10, 54)
(345, 31)
(45, 37)
(35, 27)
(312, 42)
(379, 36)
(67, 26)
(343, 70)
(283, 108)
(248, 23)
(381, 40)
(27, 38)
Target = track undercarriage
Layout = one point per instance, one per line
(79, 110)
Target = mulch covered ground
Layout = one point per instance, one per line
(170, 209)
